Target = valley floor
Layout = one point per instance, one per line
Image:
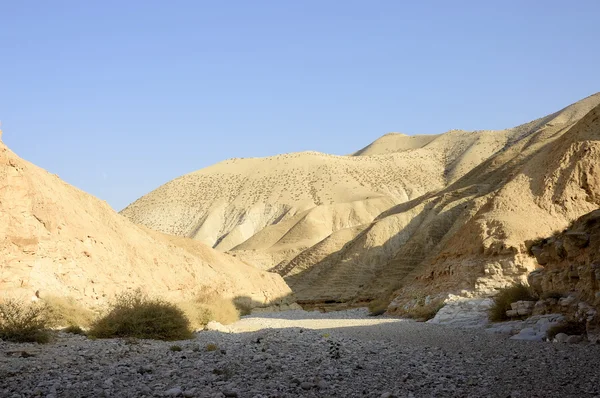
(296, 353)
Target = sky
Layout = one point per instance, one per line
(119, 97)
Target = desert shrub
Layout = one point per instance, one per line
(74, 329)
(133, 314)
(377, 307)
(65, 311)
(423, 312)
(208, 305)
(505, 297)
(568, 327)
(21, 322)
(175, 348)
(211, 347)
(243, 305)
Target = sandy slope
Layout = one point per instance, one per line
(57, 239)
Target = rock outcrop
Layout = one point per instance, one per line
(569, 274)
(56, 239)
(570, 262)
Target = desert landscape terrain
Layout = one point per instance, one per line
(404, 216)
(296, 275)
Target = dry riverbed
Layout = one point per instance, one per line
(297, 353)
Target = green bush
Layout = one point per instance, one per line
(136, 315)
(568, 327)
(505, 297)
(21, 323)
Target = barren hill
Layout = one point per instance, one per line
(56, 239)
(420, 215)
(469, 236)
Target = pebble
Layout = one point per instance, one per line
(174, 392)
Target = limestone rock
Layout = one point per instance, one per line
(462, 312)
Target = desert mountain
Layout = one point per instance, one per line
(56, 239)
(411, 214)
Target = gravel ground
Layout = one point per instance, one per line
(295, 353)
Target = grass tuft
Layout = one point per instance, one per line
(24, 323)
(134, 314)
(211, 347)
(505, 297)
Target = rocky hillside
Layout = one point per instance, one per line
(56, 239)
(570, 261)
(404, 217)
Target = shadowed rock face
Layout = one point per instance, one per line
(570, 260)
(426, 215)
(56, 239)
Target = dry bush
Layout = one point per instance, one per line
(423, 312)
(243, 305)
(65, 311)
(505, 297)
(21, 322)
(74, 329)
(208, 305)
(568, 327)
(377, 307)
(133, 314)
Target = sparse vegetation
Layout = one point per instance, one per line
(505, 297)
(74, 329)
(424, 312)
(208, 305)
(243, 305)
(65, 311)
(21, 322)
(211, 347)
(568, 327)
(133, 314)
(175, 348)
(377, 307)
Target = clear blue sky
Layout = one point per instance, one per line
(118, 97)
